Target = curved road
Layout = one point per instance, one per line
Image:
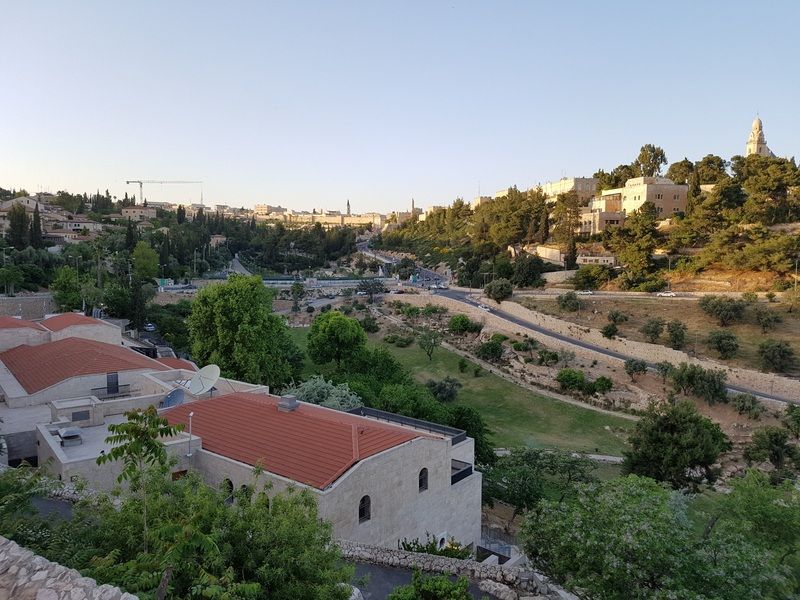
(464, 297)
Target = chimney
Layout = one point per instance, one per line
(288, 404)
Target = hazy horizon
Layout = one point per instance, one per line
(310, 104)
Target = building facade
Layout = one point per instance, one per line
(584, 187)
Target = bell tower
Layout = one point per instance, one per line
(756, 143)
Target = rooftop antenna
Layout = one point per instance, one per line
(204, 380)
(174, 398)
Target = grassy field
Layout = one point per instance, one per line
(595, 311)
(515, 415)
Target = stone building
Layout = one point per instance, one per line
(757, 143)
(584, 187)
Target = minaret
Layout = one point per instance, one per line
(348, 207)
(412, 207)
(756, 143)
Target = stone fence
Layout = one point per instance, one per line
(765, 382)
(27, 306)
(26, 576)
(502, 582)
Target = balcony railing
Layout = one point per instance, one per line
(459, 470)
(103, 393)
(456, 435)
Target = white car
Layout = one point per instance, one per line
(585, 293)
(666, 294)
(484, 307)
(150, 327)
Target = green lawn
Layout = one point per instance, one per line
(515, 415)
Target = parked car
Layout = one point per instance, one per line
(484, 307)
(361, 293)
(585, 292)
(149, 327)
(666, 294)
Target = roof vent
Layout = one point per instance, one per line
(70, 436)
(288, 404)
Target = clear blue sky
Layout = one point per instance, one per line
(306, 104)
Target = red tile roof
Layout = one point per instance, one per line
(64, 320)
(39, 367)
(177, 363)
(311, 445)
(12, 323)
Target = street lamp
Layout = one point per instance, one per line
(189, 454)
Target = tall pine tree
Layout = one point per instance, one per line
(18, 227)
(36, 229)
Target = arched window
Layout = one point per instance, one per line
(364, 509)
(423, 480)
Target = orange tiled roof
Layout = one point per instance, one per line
(39, 367)
(64, 320)
(177, 363)
(12, 323)
(311, 445)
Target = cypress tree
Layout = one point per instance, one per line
(36, 229)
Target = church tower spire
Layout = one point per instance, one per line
(757, 143)
(348, 207)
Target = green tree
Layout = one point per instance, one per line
(298, 290)
(66, 289)
(664, 368)
(429, 339)
(445, 390)
(137, 443)
(675, 444)
(635, 367)
(569, 301)
(498, 290)
(117, 300)
(616, 316)
(650, 161)
(334, 337)
(724, 342)
(18, 227)
(232, 325)
(652, 329)
(711, 169)
(681, 171)
(461, 324)
(371, 287)
(526, 476)
(776, 355)
(609, 330)
(131, 235)
(725, 310)
(676, 332)
(747, 404)
(566, 220)
(36, 229)
(635, 242)
(591, 277)
(145, 261)
(791, 420)
(11, 277)
(772, 443)
(491, 350)
(433, 587)
(528, 271)
(571, 379)
(631, 538)
(767, 319)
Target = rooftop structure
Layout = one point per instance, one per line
(756, 142)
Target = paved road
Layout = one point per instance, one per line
(464, 297)
(238, 267)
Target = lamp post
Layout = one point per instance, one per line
(189, 454)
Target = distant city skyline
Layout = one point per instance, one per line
(311, 104)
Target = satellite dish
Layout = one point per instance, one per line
(174, 398)
(204, 380)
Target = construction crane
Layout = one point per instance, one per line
(141, 182)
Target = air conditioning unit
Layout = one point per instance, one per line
(70, 436)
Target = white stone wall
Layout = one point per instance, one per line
(11, 338)
(101, 332)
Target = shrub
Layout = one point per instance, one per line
(651, 285)
(609, 330)
(652, 329)
(635, 367)
(616, 316)
(547, 357)
(775, 355)
(603, 385)
(370, 324)
(309, 309)
(770, 296)
(451, 549)
(571, 379)
(747, 404)
(766, 318)
(404, 341)
(500, 337)
(750, 297)
(724, 342)
(462, 364)
(725, 310)
(477, 371)
(499, 290)
(569, 301)
(591, 277)
(491, 350)
(461, 324)
(676, 331)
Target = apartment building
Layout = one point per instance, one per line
(584, 187)
(139, 213)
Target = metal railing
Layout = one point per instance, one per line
(456, 435)
(103, 393)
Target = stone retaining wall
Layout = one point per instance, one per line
(27, 307)
(26, 576)
(515, 582)
(766, 382)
